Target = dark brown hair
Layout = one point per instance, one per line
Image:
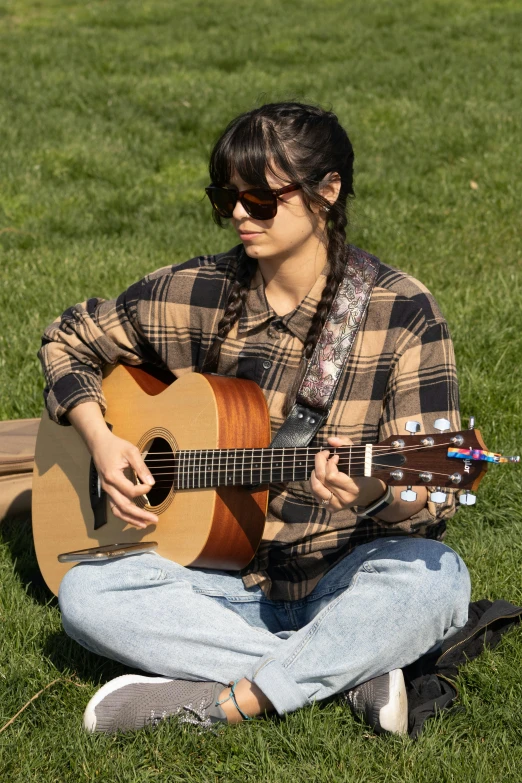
(305, 143)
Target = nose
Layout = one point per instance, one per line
(239, 211)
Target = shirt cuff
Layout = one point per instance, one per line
(68, 392)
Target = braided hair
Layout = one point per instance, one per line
(306, 144)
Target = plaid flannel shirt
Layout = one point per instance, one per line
(401, 367)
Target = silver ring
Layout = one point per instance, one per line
(327, 501)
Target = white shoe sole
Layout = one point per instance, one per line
(394, 716)
(89, 717)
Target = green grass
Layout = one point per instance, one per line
(107, 114)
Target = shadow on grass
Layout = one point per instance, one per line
(70, 657)
(16, 534)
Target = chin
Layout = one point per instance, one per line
(252, 251)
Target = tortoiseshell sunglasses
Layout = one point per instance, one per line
(259, 203)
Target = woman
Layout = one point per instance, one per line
(350, 583)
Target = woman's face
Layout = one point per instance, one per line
(293, 230)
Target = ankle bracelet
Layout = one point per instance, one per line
(232, 695)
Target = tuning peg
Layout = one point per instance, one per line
(427, 441)
(467, 498)
(409, 495)
(442, 425)
(412, 427)
(471, 424)
(438, 496)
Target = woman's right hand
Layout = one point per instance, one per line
(112, 457)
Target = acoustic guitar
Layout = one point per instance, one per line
(205, 440)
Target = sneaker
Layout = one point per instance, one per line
(133, 702)
(382, 703)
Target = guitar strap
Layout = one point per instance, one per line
(316, 392)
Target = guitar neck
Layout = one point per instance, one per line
(196, 469)
(442, 460)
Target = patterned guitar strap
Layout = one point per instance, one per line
(316, 392)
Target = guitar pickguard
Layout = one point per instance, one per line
(97, 495)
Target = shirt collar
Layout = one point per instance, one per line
(258, 311)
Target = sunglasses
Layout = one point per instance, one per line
(259, 203)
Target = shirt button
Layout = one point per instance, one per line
(266, 364)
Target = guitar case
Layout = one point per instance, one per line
(17, 444)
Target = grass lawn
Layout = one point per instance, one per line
(107, 114)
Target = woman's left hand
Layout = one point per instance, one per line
(341, 491)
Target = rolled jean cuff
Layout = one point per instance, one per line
(277, 685)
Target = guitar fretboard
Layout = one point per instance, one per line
(197, 469)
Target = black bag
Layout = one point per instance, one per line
(430, 680)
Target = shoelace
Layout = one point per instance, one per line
(186, 714)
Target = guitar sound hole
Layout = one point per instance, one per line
(160, 462)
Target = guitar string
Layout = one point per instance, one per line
(307, 449)
(267, 453)
(257, 463)
(286, 461)
(188, 469)
(404, 469)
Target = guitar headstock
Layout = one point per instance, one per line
(450, 459)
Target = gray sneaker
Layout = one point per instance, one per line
(132, 702)
(382, 703)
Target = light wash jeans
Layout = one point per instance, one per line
(381, 608)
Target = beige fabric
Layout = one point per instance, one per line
(15, 494)
(17, 444)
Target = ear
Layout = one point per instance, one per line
(330, 187)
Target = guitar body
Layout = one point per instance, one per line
(209, 528)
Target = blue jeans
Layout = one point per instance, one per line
(381, 608)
